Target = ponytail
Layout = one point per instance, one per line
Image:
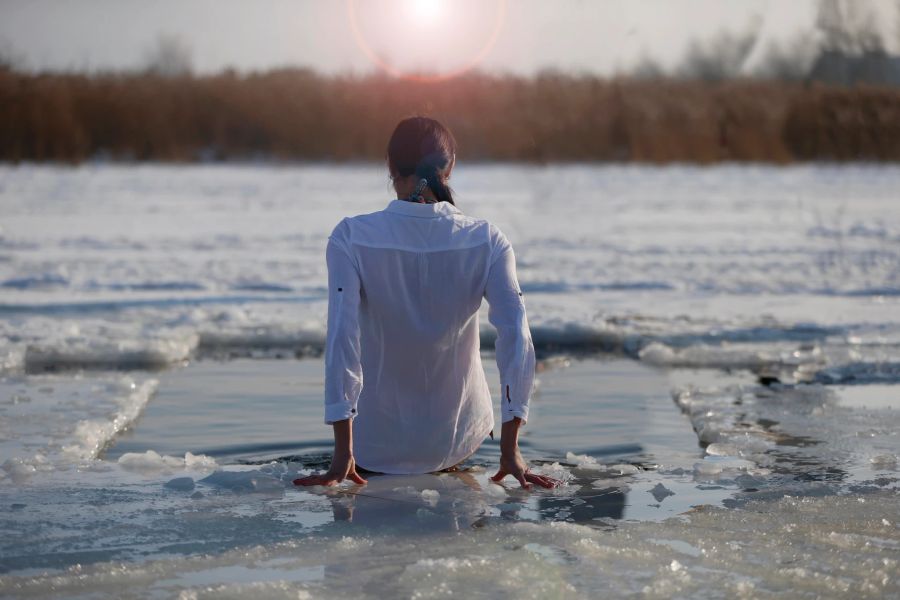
(432, 173)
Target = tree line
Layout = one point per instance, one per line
(297, 114)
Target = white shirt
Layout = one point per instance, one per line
(402, 351)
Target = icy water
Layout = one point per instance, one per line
(719, 384)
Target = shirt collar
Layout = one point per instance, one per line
(426, 211)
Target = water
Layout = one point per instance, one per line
(719, 368)
(281, 420)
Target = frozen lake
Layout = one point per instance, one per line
(719, 367)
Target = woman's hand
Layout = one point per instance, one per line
(343, 466)
(512, 463)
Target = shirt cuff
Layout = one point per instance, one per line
(338, 412)
(509, 413)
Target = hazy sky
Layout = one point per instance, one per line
(584, 35)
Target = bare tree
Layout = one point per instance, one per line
(848, 27)
(9, 59)
(830, 23)
(864, 26)
(170, 56)
(897, 26)
(646, 68)
(789, 61)
(721, 57)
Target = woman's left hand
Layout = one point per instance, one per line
(515, 465)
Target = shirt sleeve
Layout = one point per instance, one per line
(343, 369)
(514, 347)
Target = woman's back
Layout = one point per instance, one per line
(405, 286)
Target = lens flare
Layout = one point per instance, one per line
(399, 22)
(428, 11)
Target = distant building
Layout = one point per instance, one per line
(875, 67)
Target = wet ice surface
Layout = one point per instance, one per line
(50, 423)
(649, 511)
(736, 436)
(142, 496)
(791, 548)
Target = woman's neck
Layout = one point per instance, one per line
(405, 186)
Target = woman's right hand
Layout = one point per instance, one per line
(343, 466)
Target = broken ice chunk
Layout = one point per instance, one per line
(180, 484)
(884, 462)
(661, 492)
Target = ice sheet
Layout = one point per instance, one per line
(752, 268)
(837, 546)
(51, 423)
(783, 282)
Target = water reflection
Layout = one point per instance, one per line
(463, 500)
(587, 499)
(411, 503)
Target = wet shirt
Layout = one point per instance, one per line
(402, 354)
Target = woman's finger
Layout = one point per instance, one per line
(354, 476)
(500, 475)
(325, 479)
(536, 477)
(308, 480)
(540, 480)
(523, 481)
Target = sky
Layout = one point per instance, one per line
(339, 36)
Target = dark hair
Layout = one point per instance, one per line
(425, 148)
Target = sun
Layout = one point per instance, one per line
(427, 11)
(426, 40)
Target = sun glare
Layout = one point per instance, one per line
(427, 11)
(399, 36)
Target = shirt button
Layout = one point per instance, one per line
(340, 289)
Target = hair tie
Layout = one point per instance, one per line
(417, 196)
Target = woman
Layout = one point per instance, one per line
(405, 390)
